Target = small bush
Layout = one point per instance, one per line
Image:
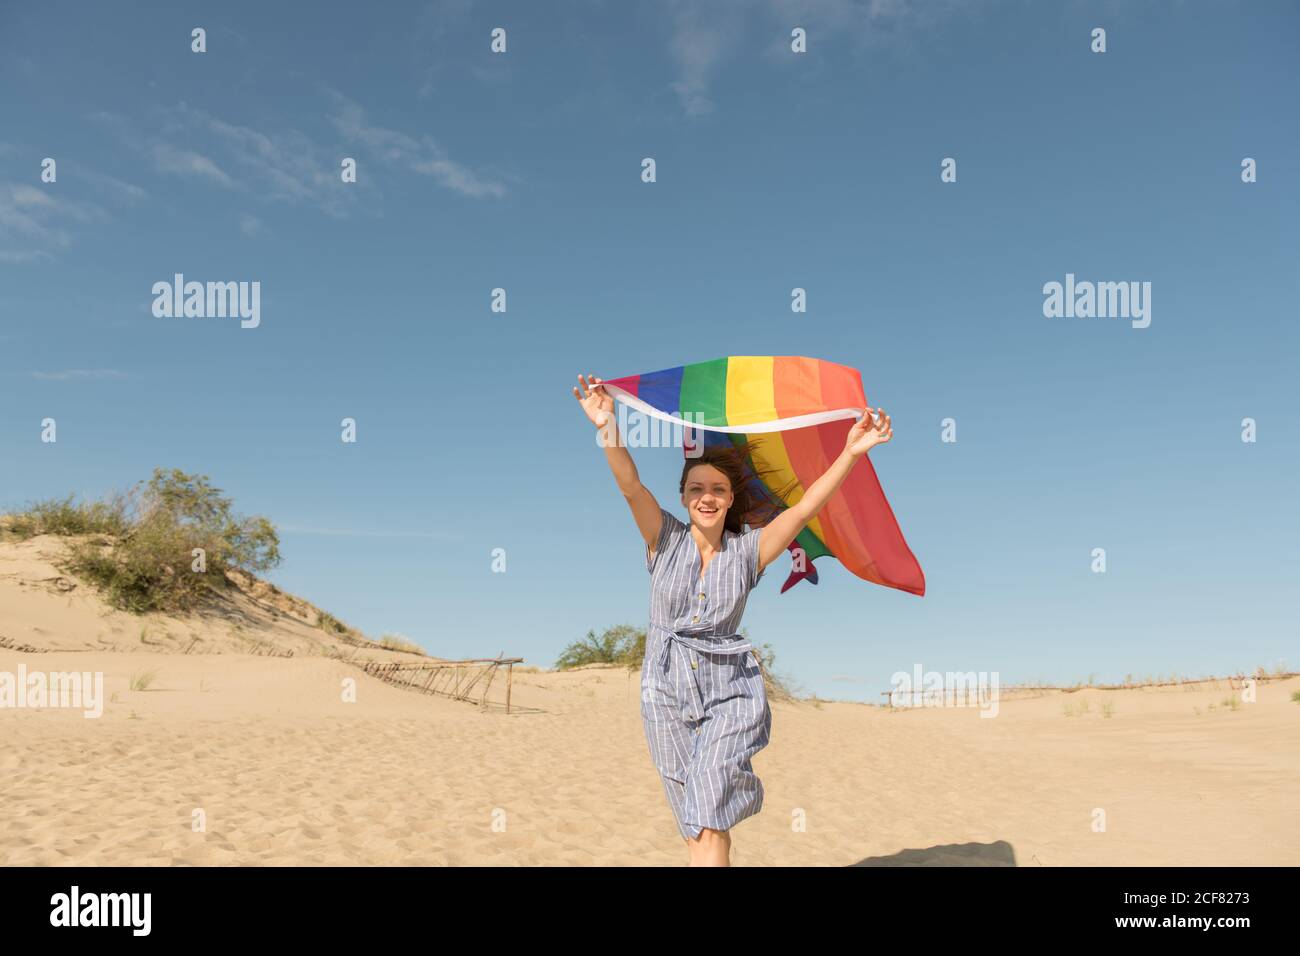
(141, 680)
(173, 539)
(621, 644)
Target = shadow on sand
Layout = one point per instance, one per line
(954, 854)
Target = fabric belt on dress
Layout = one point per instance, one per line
(730, 644)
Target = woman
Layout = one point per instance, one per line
(703, 700)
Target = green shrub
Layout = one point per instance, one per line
(157, 527)
(621, 644)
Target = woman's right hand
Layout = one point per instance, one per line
(593, 398)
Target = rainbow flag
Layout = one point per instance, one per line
(797, 411)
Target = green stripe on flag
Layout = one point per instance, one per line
(704, 392)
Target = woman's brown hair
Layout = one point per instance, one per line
(753, 504)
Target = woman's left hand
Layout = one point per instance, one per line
(867, 434)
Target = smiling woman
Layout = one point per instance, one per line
(703, 697)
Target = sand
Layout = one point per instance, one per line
(284, 771)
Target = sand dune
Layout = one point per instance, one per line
(285, 771)
(43, 607)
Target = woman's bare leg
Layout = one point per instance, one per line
(712, 848)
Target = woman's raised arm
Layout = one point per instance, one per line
(785, 527)
(599, 406)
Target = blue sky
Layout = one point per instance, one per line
(775, 170)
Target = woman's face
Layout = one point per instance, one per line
(707, 496)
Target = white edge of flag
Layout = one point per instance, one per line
(777, 425)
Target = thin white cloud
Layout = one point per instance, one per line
(287, 165)
(284, 165)
(113, 187)
(435, 20)
(250, 225)
(34, 221)
(69, 374)
(33, 198)
(704, 34)
(701, 38)
(459, 178)
(421, 155)
(184, 162)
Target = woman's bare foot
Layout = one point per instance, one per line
(712, 848)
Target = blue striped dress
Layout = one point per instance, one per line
(703, 702)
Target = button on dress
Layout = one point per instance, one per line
(703, 702)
